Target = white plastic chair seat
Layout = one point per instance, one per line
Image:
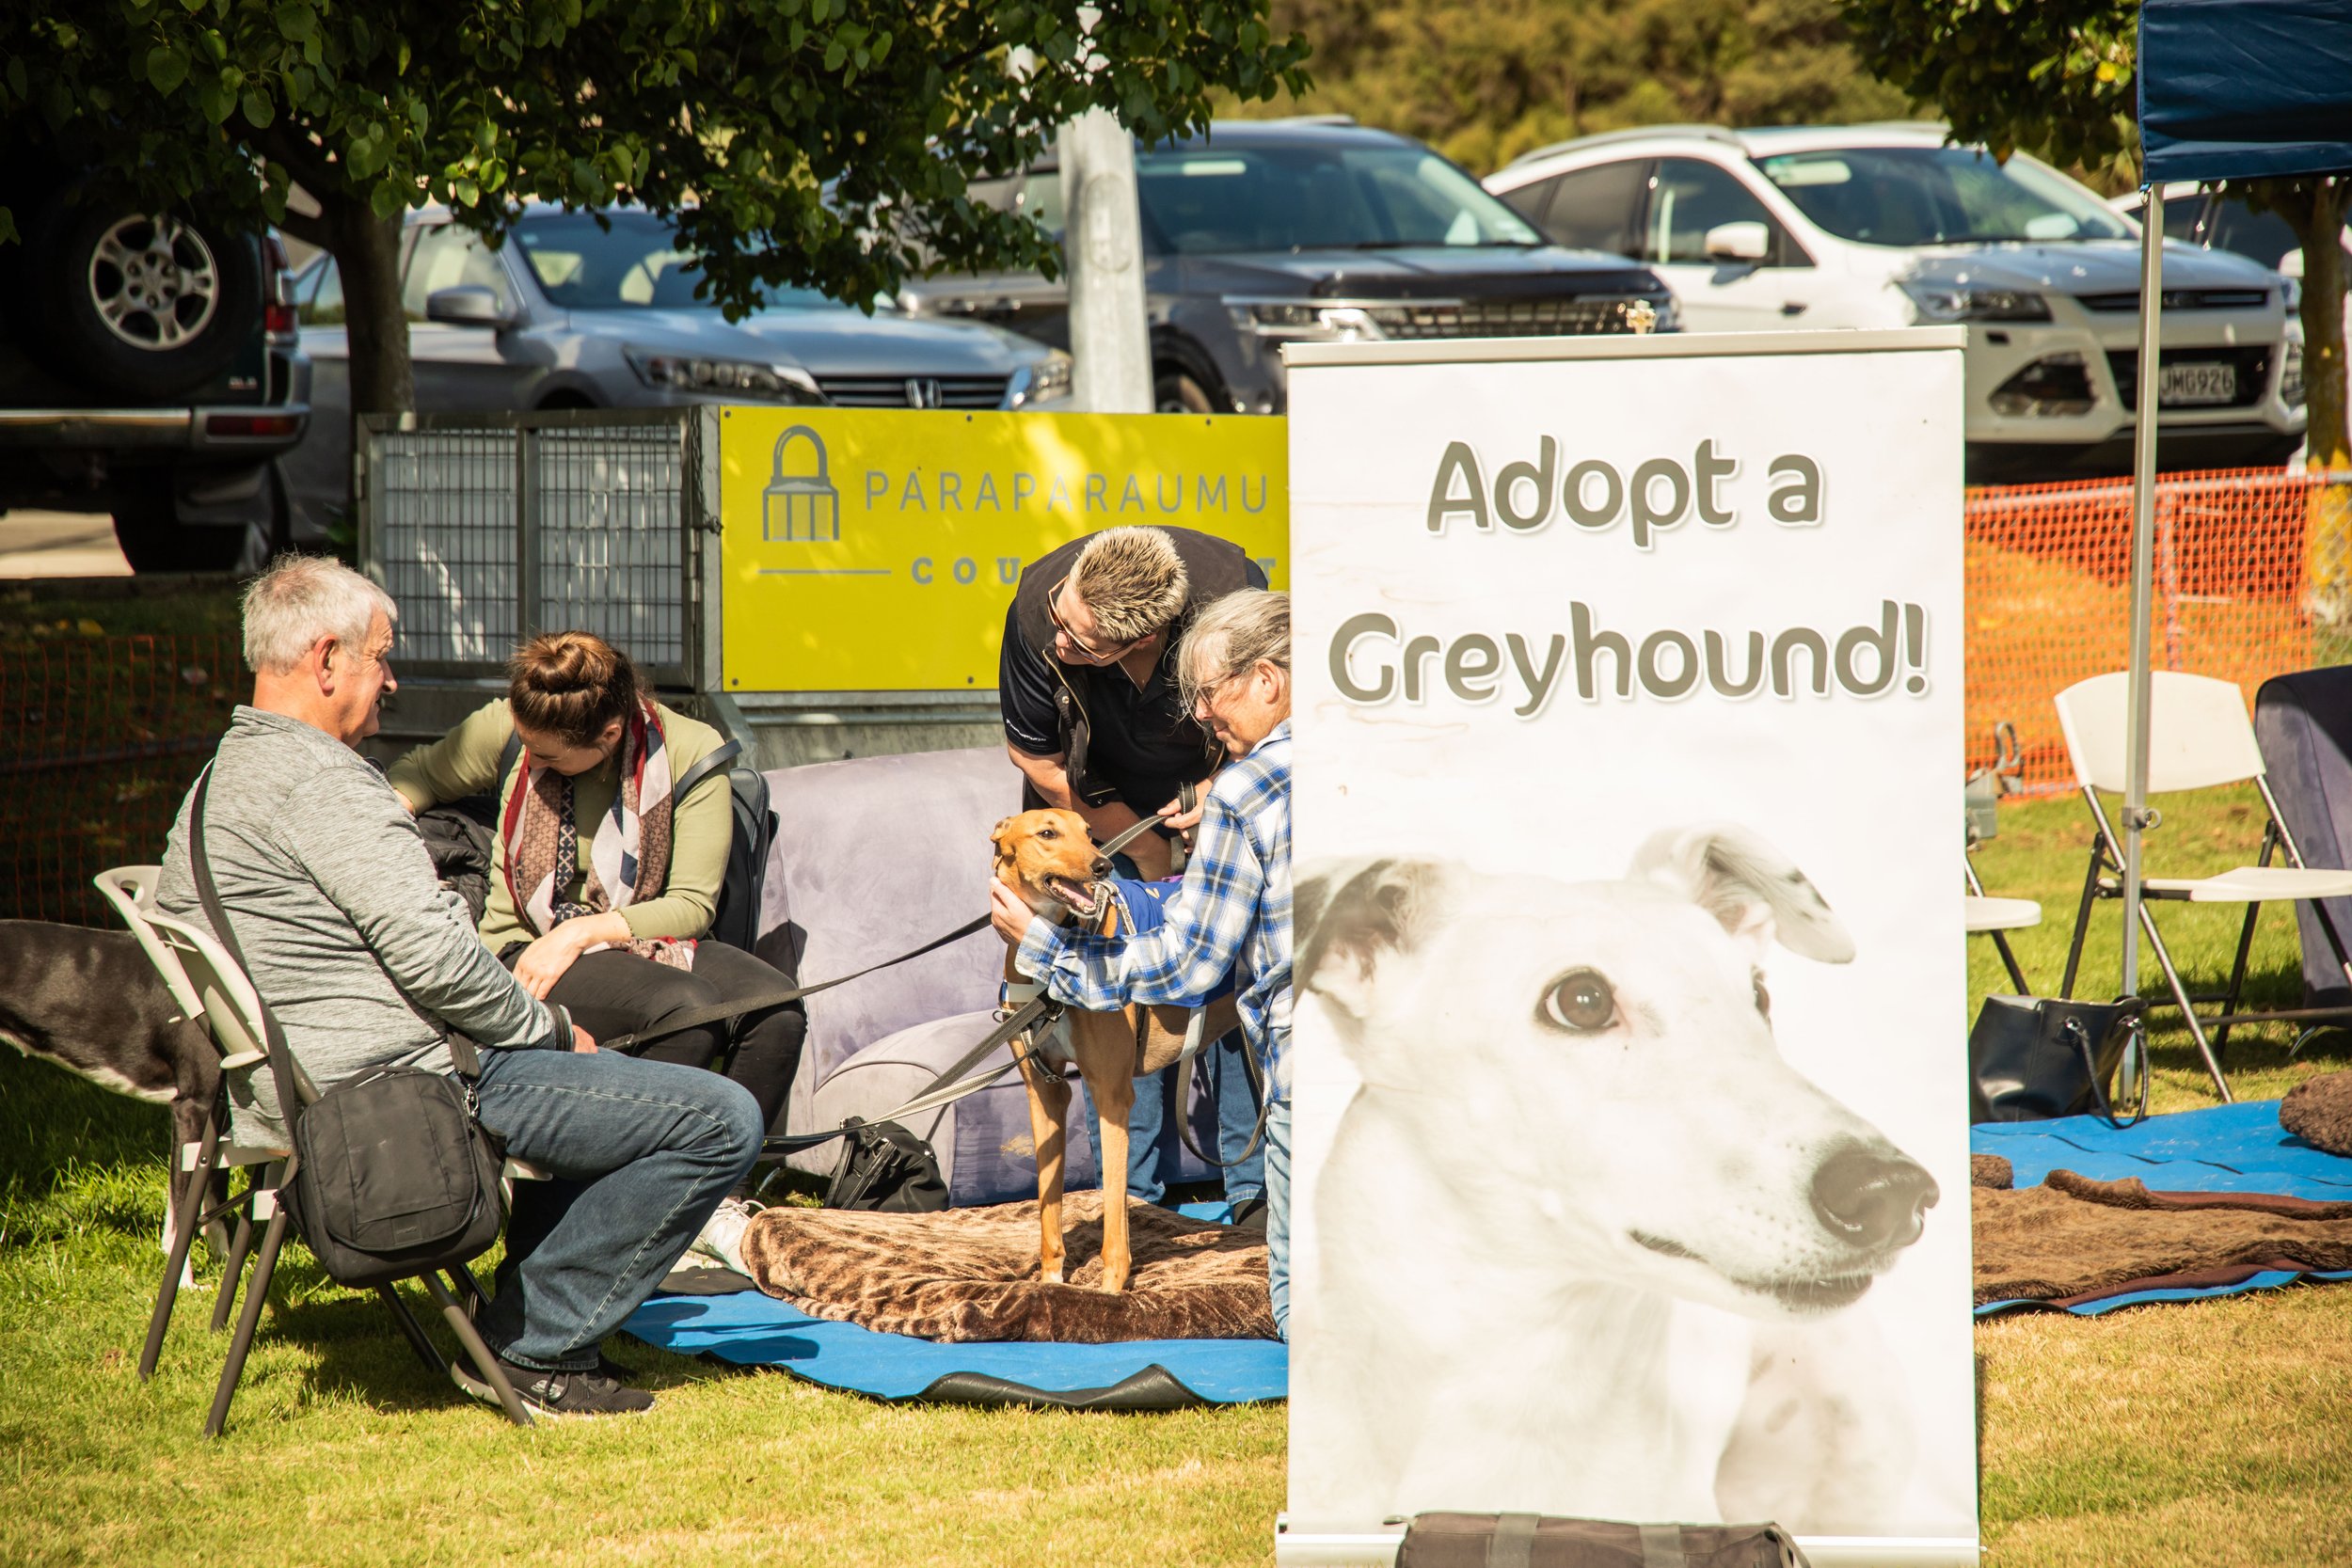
(2263, 884)
(2000, 915)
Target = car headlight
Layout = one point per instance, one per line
(681, 373)
(1048, 377)
(1948, 302)
(1303, 320)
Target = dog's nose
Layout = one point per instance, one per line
(1873, 1199)
(1101, 866)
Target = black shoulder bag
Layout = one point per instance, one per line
(391, 1175)
(2034, 1058)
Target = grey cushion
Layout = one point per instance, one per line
(983, 1140)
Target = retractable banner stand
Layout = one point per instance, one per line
(1631, 1129)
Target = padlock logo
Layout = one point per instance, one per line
(801, 508)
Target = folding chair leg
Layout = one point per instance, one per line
(477, 1352)
(239, 1246)
(2082, 922)
(2238, 973)
(413, 1331)
(470, 1289)
(2189, 1011)
(2009, 961)
(256, 1292)
(189, 1214)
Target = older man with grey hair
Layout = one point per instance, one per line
(367, 961)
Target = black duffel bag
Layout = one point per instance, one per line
(1533, 1541)
(391, 1175)
(885, 1170)
(2034, 1058)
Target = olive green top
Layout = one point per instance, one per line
(466, 761)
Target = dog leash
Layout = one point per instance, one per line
(694, 1018)
(943, 1090)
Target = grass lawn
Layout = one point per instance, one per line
(2212, 1433)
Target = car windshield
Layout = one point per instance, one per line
(630, 261)
(1921, 196)
(1204, 200)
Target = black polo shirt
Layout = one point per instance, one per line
(1142, 744)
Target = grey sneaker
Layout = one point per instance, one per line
(721, 1237)
(560, 1396)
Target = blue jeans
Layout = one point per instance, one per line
(640, 1151)
(1277, 1213)
(1152, 1151)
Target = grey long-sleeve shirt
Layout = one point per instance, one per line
(361, 953)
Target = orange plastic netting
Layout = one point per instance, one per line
(2049, 594)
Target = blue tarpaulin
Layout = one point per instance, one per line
(2234, 89)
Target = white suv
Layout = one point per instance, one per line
(1887, 226)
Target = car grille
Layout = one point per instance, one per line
(915, 391)
(2181, 299)
(1553, 317)
(2253, 372)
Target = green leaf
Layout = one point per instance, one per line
(465, 191)
(166, 68)
(297, 20)
(8, 227)
(836, 52)
(385, 200)
(258, 110)
(17, 84)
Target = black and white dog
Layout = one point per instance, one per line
(89, 1001)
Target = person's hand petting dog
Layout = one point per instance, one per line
(544, 962)
(1009, 912)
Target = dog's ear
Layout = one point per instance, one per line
(1756, 891)
(1351, 914)
(997, 835)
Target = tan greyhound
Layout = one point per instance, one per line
(1049, 860)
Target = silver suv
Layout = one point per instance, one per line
(582, 310)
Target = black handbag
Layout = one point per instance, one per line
(391, 1175)
(884, 1168)
(1532, 1541)
(2034, 1058)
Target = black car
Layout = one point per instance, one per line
(148, 368)
(1272, 231)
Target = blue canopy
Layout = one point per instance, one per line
(2234, 90)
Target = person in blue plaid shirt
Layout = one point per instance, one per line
(1234, 905)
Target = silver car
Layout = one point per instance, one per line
(582, 310)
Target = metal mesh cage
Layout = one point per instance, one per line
(484, 528)
(441, 514)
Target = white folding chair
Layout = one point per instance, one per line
(1994, 917)
(2200, 738)
(130, 889)
(232, 1012)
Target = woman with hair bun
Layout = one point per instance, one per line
(599, 887)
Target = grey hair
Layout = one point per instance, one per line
(1229, 636)
(1131, 581)
(301, 598)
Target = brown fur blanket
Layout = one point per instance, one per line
(971, 1274)
(2073, 1239)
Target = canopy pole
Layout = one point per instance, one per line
(2136, 815)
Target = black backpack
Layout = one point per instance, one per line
(736, 923)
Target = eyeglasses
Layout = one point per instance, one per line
(1100, 655)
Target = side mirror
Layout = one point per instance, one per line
(467, 305)
(1738, 241)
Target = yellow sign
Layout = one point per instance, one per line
(877, 551)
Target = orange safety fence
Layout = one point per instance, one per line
(99, 739)
(2049, 583)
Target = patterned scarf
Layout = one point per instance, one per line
(628, 858)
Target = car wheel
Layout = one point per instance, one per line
(153, 539)
(1174, 392)
(136, 304)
